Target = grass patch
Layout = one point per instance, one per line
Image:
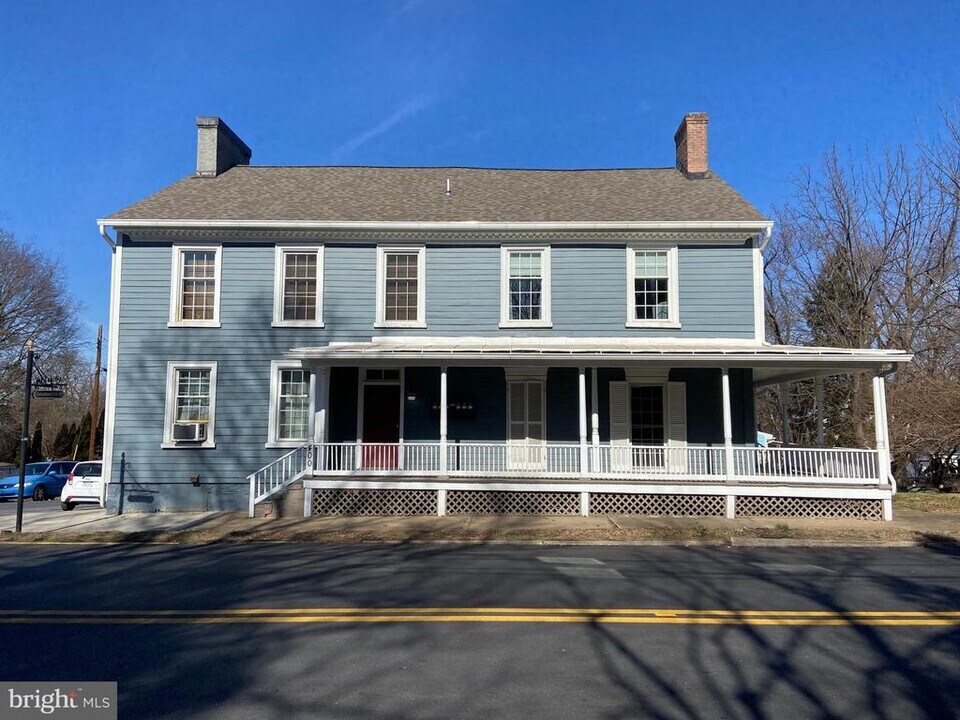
(934, 502)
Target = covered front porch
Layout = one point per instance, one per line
(632, 424)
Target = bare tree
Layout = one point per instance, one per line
(33, 305)
(867, 256)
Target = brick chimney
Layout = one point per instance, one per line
(218, 147)
(691, 140)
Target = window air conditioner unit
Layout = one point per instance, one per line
(188, 432)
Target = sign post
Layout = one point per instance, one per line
(25, 435)
(44, 388)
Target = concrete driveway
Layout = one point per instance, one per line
(46, 516)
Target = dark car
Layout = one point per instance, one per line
(44, 480)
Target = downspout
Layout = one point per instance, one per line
(106, 237)
(111, 368)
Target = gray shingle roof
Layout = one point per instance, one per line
(351, 194)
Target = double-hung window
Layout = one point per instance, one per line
(195, 288)
(298, 287)
(291, 404)
(525, 287)
(652, 294)
(400, 287)
(647, 417)
(191, 404)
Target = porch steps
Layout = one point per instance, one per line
(285, 503)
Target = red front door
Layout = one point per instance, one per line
(381, 427)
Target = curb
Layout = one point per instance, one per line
(732, 542)
(812, 542)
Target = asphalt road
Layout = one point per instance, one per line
(300, 631)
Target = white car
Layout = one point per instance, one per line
(84, 485)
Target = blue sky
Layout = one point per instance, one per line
(98, 99)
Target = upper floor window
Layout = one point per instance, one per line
(400, 287)
(298, 286)
(525, 287)
(195, 291)
(191, 404)
(652, 296)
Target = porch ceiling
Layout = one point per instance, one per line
(770, 363)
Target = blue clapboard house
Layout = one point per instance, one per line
(450, 340)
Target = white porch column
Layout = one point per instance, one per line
(443, 420)
(818, 389)
(784, 414)
(583, 423)
(358, 451)
(321, 419)
(886, 422)
(594, 408)
(727, 436)
(882, 438)
(594, 419)
(880, 432)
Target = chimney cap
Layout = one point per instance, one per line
(690, 118)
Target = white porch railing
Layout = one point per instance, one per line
(813, 465)
(345, 458)
(277, 475)
(546, 460)
(648, 462)
(551, 460)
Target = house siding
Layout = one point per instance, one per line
(462, 298)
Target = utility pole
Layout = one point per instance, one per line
(25, 435)
(95, 403)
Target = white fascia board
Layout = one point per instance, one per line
(732, 225)
(474, 345)
(732, 358)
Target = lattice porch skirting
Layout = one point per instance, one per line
(374, 502)
(758, 506)
(433, 501)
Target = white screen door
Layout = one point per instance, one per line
(526, 406)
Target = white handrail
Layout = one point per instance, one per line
(277, 475)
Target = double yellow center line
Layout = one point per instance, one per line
(626, 616)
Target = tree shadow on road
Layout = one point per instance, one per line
(474, 670)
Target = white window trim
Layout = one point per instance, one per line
(273, 431)
(279, 267)
(171, 403)
(673, 287)
(176, 285)
(545, 320)
(381, 321)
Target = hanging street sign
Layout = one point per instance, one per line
(45, 386)
(48, 390)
